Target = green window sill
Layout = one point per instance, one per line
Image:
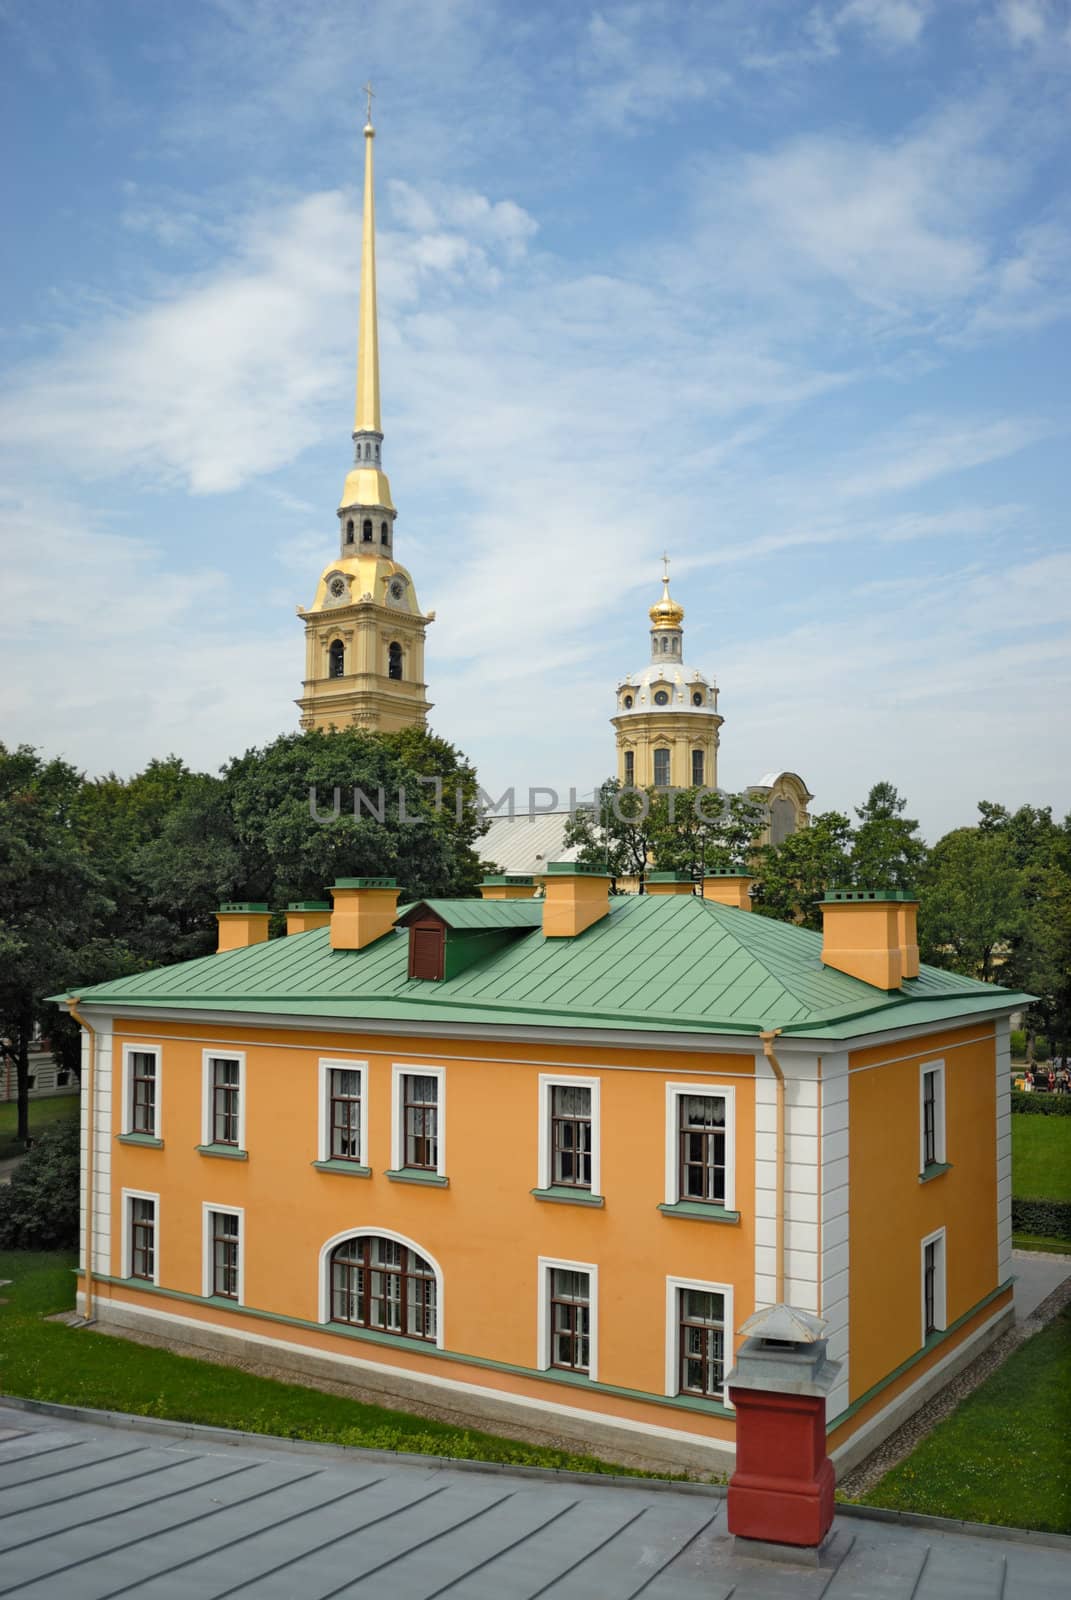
(140, 1138)
(418, 1175)
(699, 1211)
(352, 1169)
(934, 1170)
(564, 1195)
(229, 1152)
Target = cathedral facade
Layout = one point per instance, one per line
(364, 632)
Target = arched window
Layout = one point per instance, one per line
(367, 451)
(627, 702)
(349, 531)
(630, 768)
(366, 531)
(665, 645)
(394, 662)
(661, 769)
(384, 533)
(382, 1284)
(697, 769)
(697, 697)
(337, 659)
(377, 452)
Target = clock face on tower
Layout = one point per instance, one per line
(337, 588)
(396, 591)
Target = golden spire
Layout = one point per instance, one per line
(666, 613)
(366, 416)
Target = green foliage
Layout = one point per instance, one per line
(971, 903)
(44, 1114)
(1018, 1041)
(48, 1361)
(1001, 1457)
(1049, 1219)
(39, 1207)
(794, 876)
(685, 830)
(1040, 1105)
(887, 851)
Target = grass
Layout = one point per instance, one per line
(44, 1113)
(1041, 1158)
(1002, 1456)
(1036, 1241)
(42, 1360)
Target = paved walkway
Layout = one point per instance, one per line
(1036, 1276)
(165, 1512)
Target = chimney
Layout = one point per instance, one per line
(242, 922)
(304, 915)
(669, 883)
(728, 886)
(870, 934)
(508, 886)
(364, 910)
(575, 898)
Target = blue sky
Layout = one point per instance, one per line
(782, 287)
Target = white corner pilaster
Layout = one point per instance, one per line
(96, 1124)
(834, 1218)
(1003, 1126)
(801, 1181)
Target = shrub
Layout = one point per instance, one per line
(1048, 1218)
(1018, 1041)
(1041, 1105)
(39, 1207)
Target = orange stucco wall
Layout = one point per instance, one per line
(486, 1231)
(892, 1212)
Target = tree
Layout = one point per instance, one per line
(614, 833)
(971, 904)
(53, 900)
(632, 831)
(886, 850)
(794, 875)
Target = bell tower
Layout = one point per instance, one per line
(364, 632)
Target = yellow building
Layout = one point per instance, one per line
(535, 1162)
(364, 632)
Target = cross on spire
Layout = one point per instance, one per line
(370, 92)
(665, 567)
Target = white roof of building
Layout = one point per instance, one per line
(526, 843)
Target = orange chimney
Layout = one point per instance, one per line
(575, 898)
(669, 883)
(304, 915)
(364, 910)
(242, 922)
(728, 886)
(866, 933)
(508, 886)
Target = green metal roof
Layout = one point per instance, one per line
(665, 963)
(480, 915)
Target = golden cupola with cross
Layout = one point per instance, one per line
(364, 632)
(666, 715)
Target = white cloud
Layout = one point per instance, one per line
(891, 23)
(928, 447)
(1026, 21)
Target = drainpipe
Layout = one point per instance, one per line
(768, 1036)
(91, 1143)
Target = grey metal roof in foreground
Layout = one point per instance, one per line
(163, 1513)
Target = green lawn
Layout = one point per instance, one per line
(49, 1361)
(1041, 1157)
(43, 1114)
(1002, 1456)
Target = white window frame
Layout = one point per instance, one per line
(675, 1092)
(221, 1053)
(547, 1264)
(207, 1264)
(940, 1284)
(406, 1069)
(548, 1082)
(324, 1282)
(940, 1149)
(129, 1050)
(329, 1064)
(127, 1234)
(673, 1288)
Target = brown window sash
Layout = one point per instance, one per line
(420, 1125)
(394, 1297)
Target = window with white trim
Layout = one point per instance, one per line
(568, 1316)
(343, 1112)
(698, 1337)
(569, 1134)
(418, 1131)
(700, 1145)
(934, 1292)
(223, 1100)
(931, 1115)
(224, 1254)
(141, 1090)
(383, 1284)
(140, 1241)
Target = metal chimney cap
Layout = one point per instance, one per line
(785, 1324)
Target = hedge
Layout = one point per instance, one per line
(39, 1207)
(1041, 1105)
(1049, 1218)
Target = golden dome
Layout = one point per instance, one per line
(667, 613)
